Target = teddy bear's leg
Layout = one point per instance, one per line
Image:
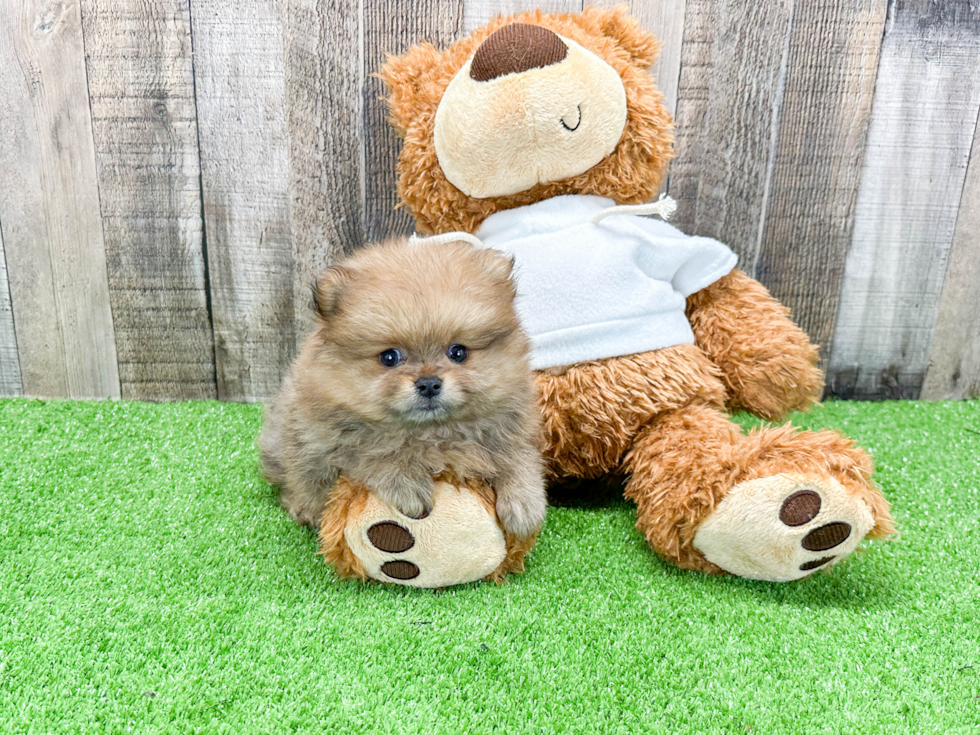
(593, 410)
(767, 362)
(347, 500)
(775, 504)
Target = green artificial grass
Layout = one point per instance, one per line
(150, 583)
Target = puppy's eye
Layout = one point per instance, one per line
(457, 353)
(391, 358)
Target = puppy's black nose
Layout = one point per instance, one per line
(515, 48)
(428, 387)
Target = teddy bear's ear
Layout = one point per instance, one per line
(617, 24)
(406, 79)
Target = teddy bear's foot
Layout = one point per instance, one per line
(783, 527)
(459, 541)
(774, 504)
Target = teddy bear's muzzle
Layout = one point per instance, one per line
(529, 107)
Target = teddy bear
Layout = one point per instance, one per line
(543, 135)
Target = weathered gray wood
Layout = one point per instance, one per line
(922, 128)
(954, 352)
(238, 67)
(9, 362)
(390, 27)
(141, 88)
(323, 107)
(477, 13)
(665, 19)
(41, 350)
(49, 202)
(727, 108)
(824, 112)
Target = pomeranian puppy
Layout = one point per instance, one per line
(418, 365)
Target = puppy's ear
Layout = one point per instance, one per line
(496, 264)
(327, 291)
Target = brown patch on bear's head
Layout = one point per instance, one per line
(631, 174)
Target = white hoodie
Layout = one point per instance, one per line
(589, 291)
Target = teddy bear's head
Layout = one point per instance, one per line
(528, 107)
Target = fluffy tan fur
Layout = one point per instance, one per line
(342, 412)
(657, 417)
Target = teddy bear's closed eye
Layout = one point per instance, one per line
(566, 119)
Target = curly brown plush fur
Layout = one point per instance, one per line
(593, 410)
(658, 418)
(767, 363)
(347, 499)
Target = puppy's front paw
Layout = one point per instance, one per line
(413, 499)
(414, 508)
(521, 515)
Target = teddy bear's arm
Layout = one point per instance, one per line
(768, 364)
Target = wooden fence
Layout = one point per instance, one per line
(174, 172)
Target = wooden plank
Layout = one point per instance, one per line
(323, 108)
(41, 350)
(922, 128)
(954, 352)
(477, 13)
(10, 384)
(728, 99)
(141, 89)
(240, 89)
(665, 19)
(391, 27)
(824, 112)
(49, 201)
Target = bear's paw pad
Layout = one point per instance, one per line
(780, 528)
